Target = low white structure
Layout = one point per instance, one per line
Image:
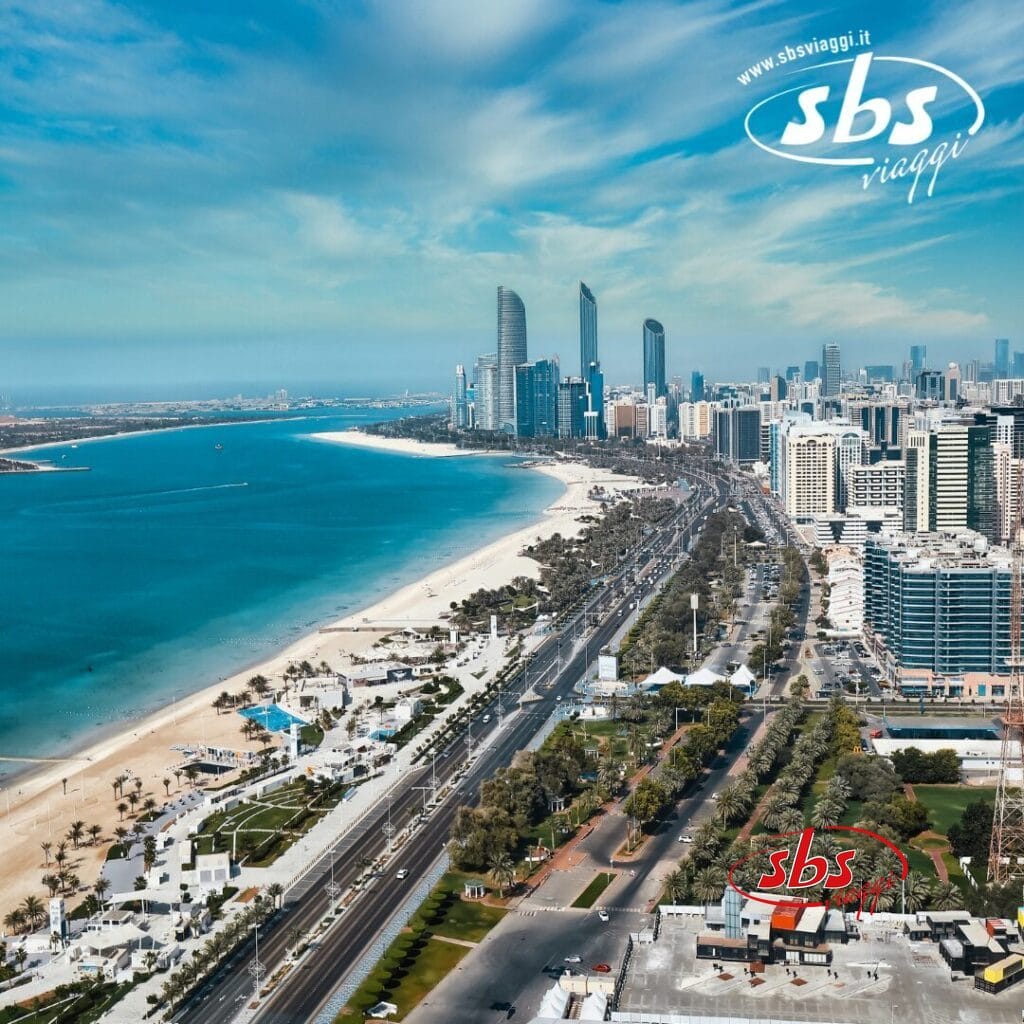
(846, 589)
(978, 758)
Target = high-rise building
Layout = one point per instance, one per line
(792, 372)
(952, 382)
(918, 356)
(849, 453)
(654, 357)
(831, 370)
(695, 419)
(738, 433)
(764, 374)
(916, 488)
(939, 604)
(572, 407)
(511, 353)
(1017, 366)
(811, 370)
(459, 405)
(931, 386)
(485, 390)
(696, 386)
(809, 480)
(982, 500)
(1007, 472)
(882, 373)
(880, 485)
(536, 386)
(595, 402)
(947, 477)
(588, 330)
(1001, 363)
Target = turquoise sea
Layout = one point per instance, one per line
(173, 563)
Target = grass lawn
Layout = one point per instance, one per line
(468, 921)
(588, 897)
(432, 964)
(946, 803)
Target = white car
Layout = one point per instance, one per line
(603, 915)
(402, 873)
(486, 719)
(686, 839)
(573, 959)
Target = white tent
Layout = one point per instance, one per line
(743, 679)
(704, 677)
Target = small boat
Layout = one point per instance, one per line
(218, 447)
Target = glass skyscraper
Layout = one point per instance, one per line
(654, 357)
(511, 353)
(918, 355)
(696, 386)
(537, 398)
(830, 370)
(1001, 365)
(588, 330)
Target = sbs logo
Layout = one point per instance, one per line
(867, 111)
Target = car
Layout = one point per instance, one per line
(486, 719)
(603, 915)
(685, 839)
(602, 968)
(573, 959)
(402, 873)
(559, 697)
(714, 796)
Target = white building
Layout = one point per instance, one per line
(695, 419)
(809, 480)
(880, 485)
(846, 589)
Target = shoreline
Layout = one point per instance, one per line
(143, 744)
(356, 438)
(143, 433)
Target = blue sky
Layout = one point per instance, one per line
(328, 194)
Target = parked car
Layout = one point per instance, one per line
(603, 915)
(573, 959)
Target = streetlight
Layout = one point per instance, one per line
(256, 968)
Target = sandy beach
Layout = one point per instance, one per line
(400, 445)
(39, 806)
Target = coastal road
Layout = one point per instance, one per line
(222, 996)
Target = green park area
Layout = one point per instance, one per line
(590, 895)
(440, 934)
(256, 832)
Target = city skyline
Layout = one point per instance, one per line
(265, 211)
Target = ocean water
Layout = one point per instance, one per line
(173, 564)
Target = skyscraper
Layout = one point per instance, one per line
(1001, 365)
(537, 398)
(485, 390)
(572, 407)
(811, 370)
(511, 353)
(588, 330)
(918, 355)
(830, 370)
(595, 402)
(459, 417)
(654, 357)
(696, 386)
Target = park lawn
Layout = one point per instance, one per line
(436, 960)
(588, 897)
(946, 803)
(469, 921)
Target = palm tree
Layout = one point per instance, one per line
(76, 831)
(47, 849)
(709, 884)
(101, 887)
(167, 786)
(917, 891)
(503, 872)
(20, 956)
(62, 853)
(122, 809)
(32, 906)
(14, 920)
(133, 798)
(825, 814)
(120, 833)
(276, 892)
(192, 773)
(149, 804)
(95, 831)
(676, 887)
(946, 896)
(52, 883)
(773, 811)
(177, 773)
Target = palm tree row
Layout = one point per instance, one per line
(216, 948)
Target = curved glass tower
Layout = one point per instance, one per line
(511, 353)
(588, 330)
(654, 357)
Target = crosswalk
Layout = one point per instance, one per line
(534, 911)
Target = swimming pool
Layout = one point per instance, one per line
(272, 717)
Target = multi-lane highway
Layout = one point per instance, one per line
(305, 990)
